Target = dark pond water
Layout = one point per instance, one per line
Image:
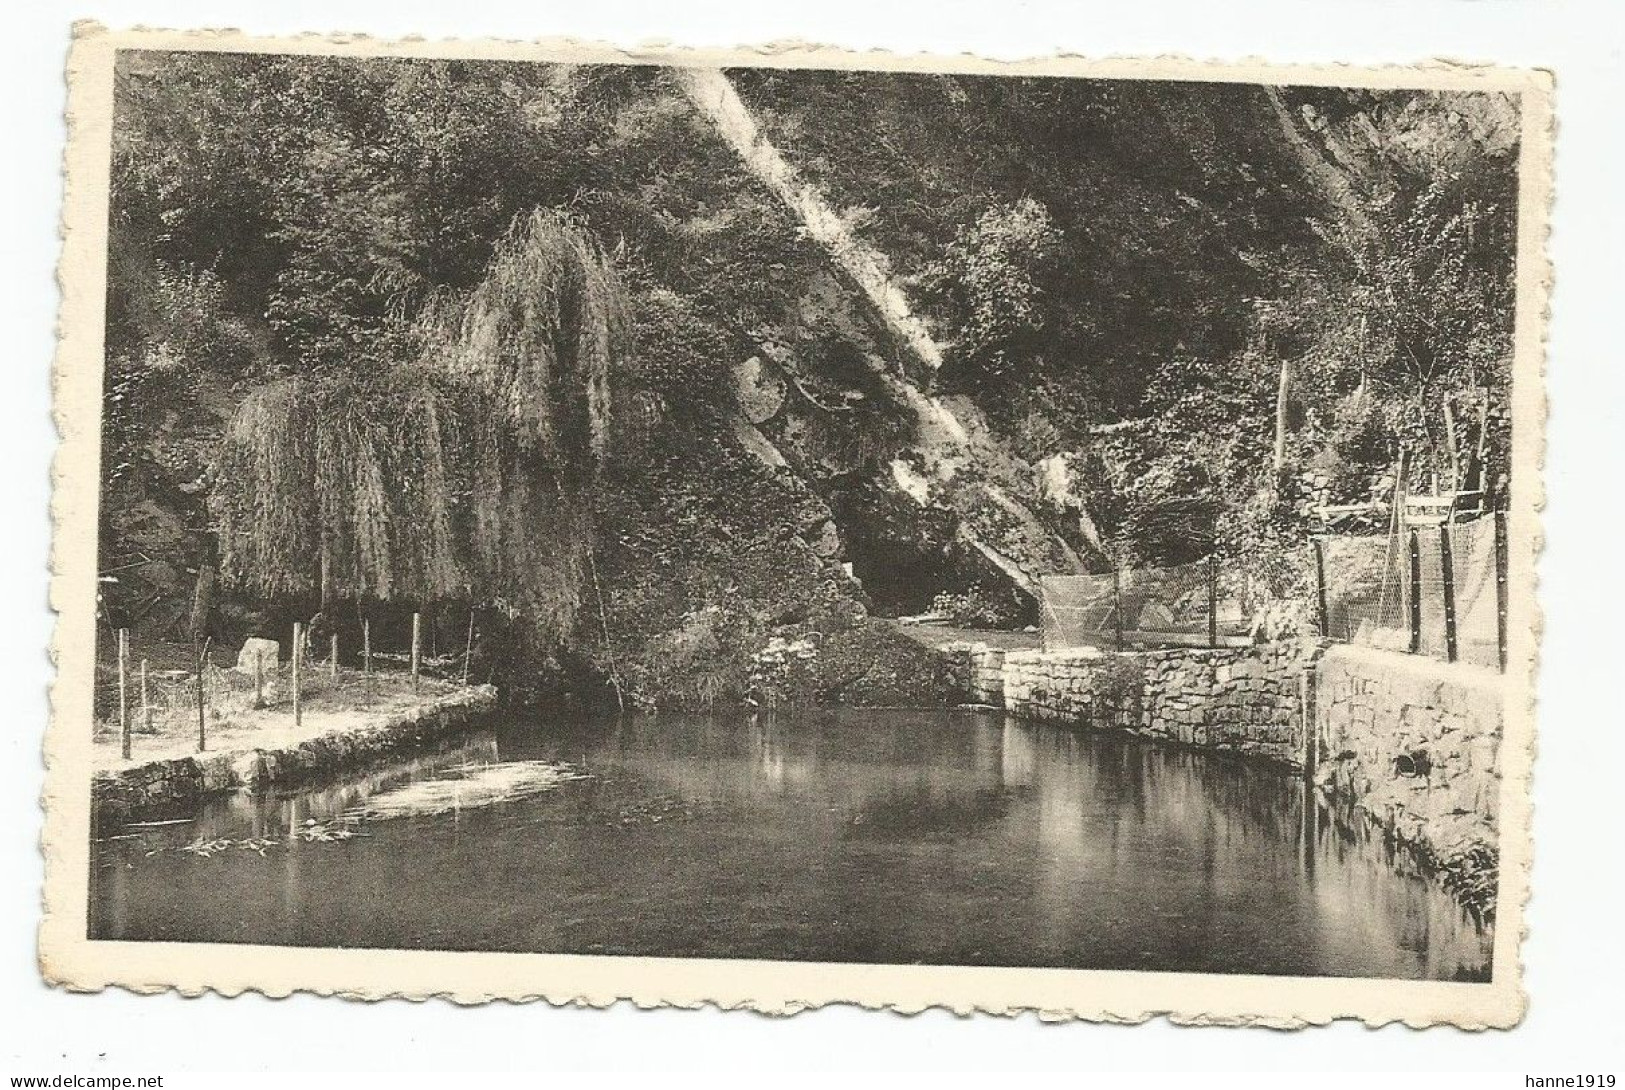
(875, 836)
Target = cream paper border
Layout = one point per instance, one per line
(69, 959)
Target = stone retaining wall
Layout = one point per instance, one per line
(179, 784)
(1243, 700)
(1415, 743)
(974, 673)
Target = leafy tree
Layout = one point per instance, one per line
(1404, 329)
(991, 280)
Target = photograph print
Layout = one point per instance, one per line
(771, 531)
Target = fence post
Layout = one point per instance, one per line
(298, 642)
(123, 690)
(366, 646)
(1415, 602)
(202, 738)
(1319, 547)
(333, 655)
(1501, 587)
(146, 705)
(468, 651)
(1117, 601)
(417, 644)
(1213, 600)
(1447, 570)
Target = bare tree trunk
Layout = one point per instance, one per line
(1452, 447)
(203, 593)
(1481, 448)
(324, 574)
(1282, 393)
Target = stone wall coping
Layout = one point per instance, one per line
(198, 775)
(1417, 667)
(1307, 647)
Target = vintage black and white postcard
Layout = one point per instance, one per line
(784, 527)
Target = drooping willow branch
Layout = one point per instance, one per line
(459, 476)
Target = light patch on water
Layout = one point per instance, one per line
(468, 788)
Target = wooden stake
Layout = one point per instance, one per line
(417, 645)
(1452, 445)
(333, 655)
(1213, 600)
(1501, 587)
(202, 737)
(1319, 548)
(1283, 392)
(146, 707)
(123, 690)
(1447, 571)
(1415, 596)
(1117, 601)
(468, 651)
(366, 646)
(298, 642)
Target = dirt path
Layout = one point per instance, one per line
(353, 702)
(933, 635)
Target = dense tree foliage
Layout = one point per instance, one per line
(1214, 304)
(464, 476)
(1122, 269)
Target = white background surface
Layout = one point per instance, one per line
(1573, 949)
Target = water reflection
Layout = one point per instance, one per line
(947, 838)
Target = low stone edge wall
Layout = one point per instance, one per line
(175, 784)
(1414, 745)
(1241, 700)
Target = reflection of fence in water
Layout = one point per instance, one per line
(1196, 604)
(1432, 591)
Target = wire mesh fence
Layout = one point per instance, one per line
(1197, 604)
(1078, 611)
(1363, 596)
(1479, 564)
(159, 690)
(1428, 598)
(1435, 591)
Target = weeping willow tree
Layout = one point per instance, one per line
(542, 333)
(462, 475)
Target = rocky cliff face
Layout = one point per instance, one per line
(944, 460)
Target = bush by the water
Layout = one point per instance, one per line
(874, 665)
(973, 608)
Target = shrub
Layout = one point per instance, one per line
(973, 608)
